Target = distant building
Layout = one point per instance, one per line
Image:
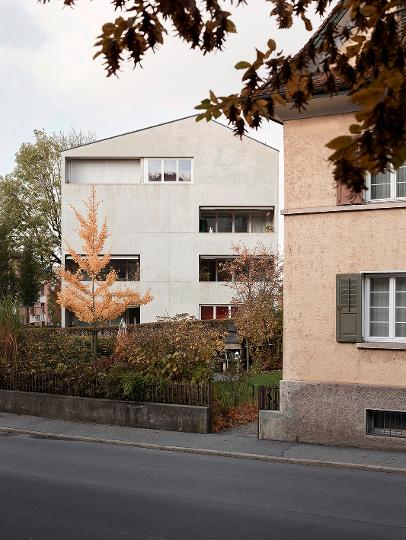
(176, 196)
(39, 314)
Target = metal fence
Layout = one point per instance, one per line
(96, 387)
(268, 398)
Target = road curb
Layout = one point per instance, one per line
(207, 451)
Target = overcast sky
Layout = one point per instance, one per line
(49, 80)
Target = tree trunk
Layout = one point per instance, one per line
(94, 342)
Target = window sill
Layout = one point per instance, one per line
(391, 345)
(364, 207)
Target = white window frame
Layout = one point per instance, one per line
(162, 181)
(233, 213)
(393, 187)
(392, 338)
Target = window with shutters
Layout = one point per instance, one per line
(349, 308)
(387, 185)
(385, 307)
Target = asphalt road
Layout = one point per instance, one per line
(72, 490)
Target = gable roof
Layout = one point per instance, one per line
(319, 79)
(164, 124)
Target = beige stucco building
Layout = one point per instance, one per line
(344, 374)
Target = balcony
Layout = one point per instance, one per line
(248, 220)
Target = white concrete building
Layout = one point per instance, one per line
(177, 196)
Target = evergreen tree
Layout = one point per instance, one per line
(8, 279)
(29, 279)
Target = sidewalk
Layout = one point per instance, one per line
(225, 444)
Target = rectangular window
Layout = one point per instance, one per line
(184, 170)
(127, 269)
(381, 186)
(168, 170)
(386, 423)
(206, 313)
(130, 316)
(217, 312)
(385, 308)
(213, 268)
(154, 170)
(236, 220)
(387, 185)
(224, 222)
(103, 171)
(401, 181)
(241, 222)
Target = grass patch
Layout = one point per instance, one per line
(266, 378)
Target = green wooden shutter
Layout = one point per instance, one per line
(349, 308)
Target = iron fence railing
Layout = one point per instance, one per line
(268, 398)
(96, 387)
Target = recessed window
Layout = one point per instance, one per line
(387, 185)
(386, 423)
(214, 268)
(236, 220)
(211, 312)
(385, 308)
(127, 269)
(224, 222)
(168, 170)
(130, 316)
(102, 171)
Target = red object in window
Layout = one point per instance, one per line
(221, 312)
(234, 311)
(206, 313)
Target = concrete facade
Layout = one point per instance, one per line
(328, 385)
(160, 222)
(331, 413)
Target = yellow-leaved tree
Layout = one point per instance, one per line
(94, 301)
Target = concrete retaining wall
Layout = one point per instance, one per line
(163, 416)
(329, 413)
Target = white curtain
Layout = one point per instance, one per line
(103, 171)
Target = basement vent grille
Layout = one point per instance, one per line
(386, 423)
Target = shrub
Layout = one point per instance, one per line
(178, 349)
(45, 348)
(231, 392)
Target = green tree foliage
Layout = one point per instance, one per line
(9, 324)
(365, 57)
(8, 279)
(29, 283)
(30, 197)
